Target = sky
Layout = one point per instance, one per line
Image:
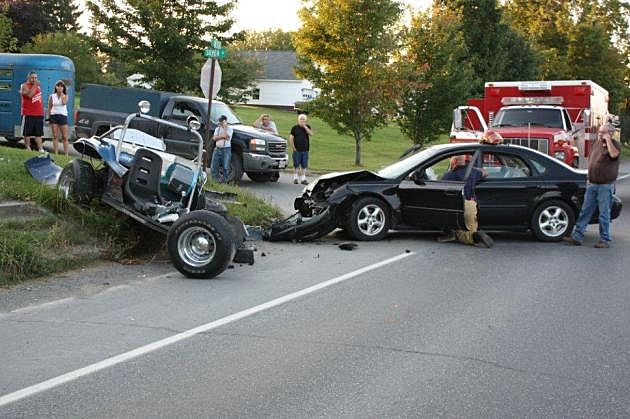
(260, 15)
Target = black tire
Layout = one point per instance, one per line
(552, 220)
(201, 244)
(236, 172)
(260, 176)
(369, 219)
(77, 182)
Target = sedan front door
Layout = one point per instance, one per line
(429, 201)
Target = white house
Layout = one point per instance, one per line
(278, 85)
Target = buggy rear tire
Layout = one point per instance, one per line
(201, 244)
(77, 182)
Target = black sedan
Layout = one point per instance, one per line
(524, 190)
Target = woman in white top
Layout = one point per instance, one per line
(58, 112)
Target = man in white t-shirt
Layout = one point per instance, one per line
(222, 156)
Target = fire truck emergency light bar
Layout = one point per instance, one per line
(534, 85)
(549, 100)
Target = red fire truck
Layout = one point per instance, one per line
(554, 117)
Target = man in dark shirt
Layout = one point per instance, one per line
(603, 168)
(471, 235)
(300, 145)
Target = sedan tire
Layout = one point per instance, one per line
(552, 220)
(201, 244)
(369, 219)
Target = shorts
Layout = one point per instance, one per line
(33, 126)
(59, 119)
(300, 159)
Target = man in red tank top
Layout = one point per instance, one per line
(32, 111)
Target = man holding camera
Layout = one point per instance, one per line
(32, 111)
(603, 168)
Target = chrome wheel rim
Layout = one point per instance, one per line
(65, 186)
(371, 220)
(196, 246)
(553, 221)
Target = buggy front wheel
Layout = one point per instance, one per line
(201, 244)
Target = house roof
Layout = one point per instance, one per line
(276, 65)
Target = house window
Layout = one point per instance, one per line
(256, 94)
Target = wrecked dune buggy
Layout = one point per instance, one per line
(130, 171)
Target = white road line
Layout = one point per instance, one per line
(623, 177)
(143, 350)
(32, 308)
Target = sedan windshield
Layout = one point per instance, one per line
(405, 165)
(519, 117)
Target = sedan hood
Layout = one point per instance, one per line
(341, 177)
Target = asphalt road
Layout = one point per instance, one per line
(406, 327)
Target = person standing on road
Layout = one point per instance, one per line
(32, 111)
(222, 156)
(472, 235)
(58, 113)
(300, 145)
(265, 123)
(603, 168)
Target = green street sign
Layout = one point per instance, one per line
(214, 53)
(215, 44)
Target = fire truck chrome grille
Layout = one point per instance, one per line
(540, 144)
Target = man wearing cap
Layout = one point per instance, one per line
(222, 156)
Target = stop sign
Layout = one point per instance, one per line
(204, 81)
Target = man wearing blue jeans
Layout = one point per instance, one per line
(603, 168)
(222, 156)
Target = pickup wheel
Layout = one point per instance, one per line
(236, 172)
(369, 219)
(77, 182)
(552, 220)
(201, 244)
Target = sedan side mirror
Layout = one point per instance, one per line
(418, 176)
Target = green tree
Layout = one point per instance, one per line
(74, 46)
(581, 39)
(271, 40)
(344, 47)
(160, 38)
(546, 24)
(590, 44)
(496, 51)
(8, 43)
(434, 73)
(28, 19)
(64, 15)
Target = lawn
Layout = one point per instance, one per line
(331, 151)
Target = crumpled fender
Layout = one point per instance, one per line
(296, 228)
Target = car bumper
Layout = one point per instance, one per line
(615, 210)
(262, 163)
(296, 228)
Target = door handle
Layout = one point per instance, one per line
(452, 192)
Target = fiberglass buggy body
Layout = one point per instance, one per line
(130, 171)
